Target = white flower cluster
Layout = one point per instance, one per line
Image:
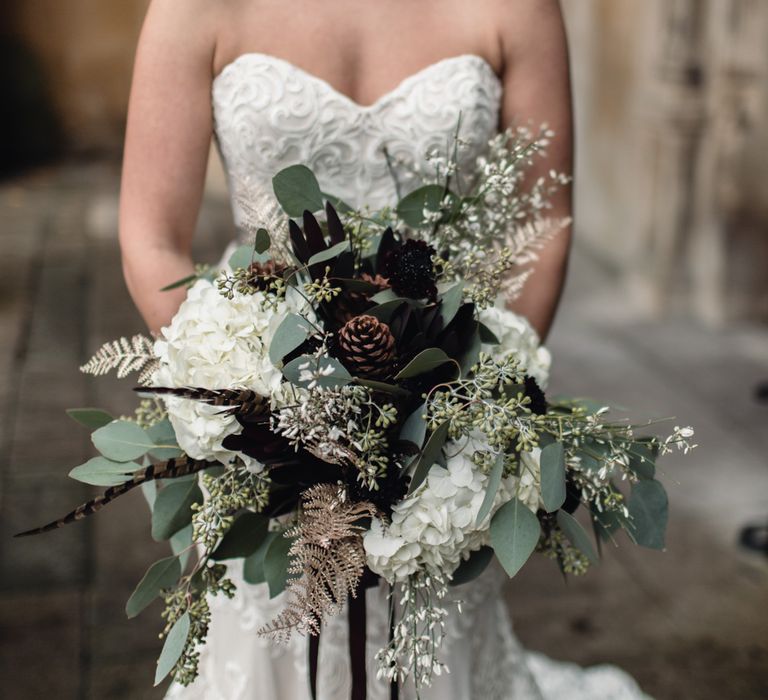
(516, 337)
(217, 343)
(435, 527)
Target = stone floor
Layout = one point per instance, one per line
(688, 623)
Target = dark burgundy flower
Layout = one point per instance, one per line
(410, 270)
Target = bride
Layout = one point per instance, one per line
(329, 84)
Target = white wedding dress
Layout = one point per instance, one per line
(270, 114)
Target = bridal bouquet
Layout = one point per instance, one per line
(351, 397)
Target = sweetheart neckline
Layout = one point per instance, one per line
(378, 102)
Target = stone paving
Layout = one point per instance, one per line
(688, 623)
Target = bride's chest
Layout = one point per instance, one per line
(268, 114)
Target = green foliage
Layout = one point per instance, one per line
(241, 258)
(428, 456)
(263, 241)
(577, 535)
(515, 532)
(175, 641)
(642, 460)
(411, 207)
(173, 507)
(290, 334)
(552, 463)
(450, 302)
(122, 441)
(243, 538)
(414, 428)
(162, 574)
(93, 418)
(163, 436)
(328, 372)
(329, 253)
(297, 190)
(471, 568)
(276, 563)
(253, 565)
(100, 471)
(492, 488)
(424, 362)
(648, 514)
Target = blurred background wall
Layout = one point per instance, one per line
(667, 291)
(671, 100)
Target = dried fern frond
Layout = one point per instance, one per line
(328, 554)
(525, 240)
(124, 356)
(260, 209)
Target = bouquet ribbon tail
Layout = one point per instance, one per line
(357, 621)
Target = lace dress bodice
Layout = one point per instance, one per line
(269, 114)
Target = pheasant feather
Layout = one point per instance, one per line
(242, 402)
(172, 469)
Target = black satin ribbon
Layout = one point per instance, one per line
(356, 617)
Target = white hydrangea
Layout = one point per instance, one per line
(516, 335)
(435, 528)
(217, 343)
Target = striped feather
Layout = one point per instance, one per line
(172, 469)
(237, 401)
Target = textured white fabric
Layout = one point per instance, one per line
(270, 114)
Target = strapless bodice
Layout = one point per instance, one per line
(269, 114)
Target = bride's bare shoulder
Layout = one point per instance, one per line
(188, 28)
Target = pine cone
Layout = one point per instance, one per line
(367, 347)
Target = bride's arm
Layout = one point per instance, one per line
(537, 87)
(166, 150)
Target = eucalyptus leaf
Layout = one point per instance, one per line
(385, 310)
(471, 568)
(515, 532)
(383, 387)
(642, 460)
(122, 441)
(173, 508)
(424, 362)
(414, 428)
(163, 435)
(149, 491)
(100, 471)
(174, 645)
(243, 538)
(411, 207)
(93, 418)
(429, 456)
(384, 296)
(494, 481)
(253, 565)
(162, 574)
(487, 336)
(241, 258)
(552, 461)
(179, 283)
(329, 253)
(337, 377)
(577, 535)
(290, 334)
(451, 301)
(472, 354)
(262, 241)
(276, 562)
(181, 544)
(338, 204)
(297, 190)
(648, 514)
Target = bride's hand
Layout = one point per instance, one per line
(166, 151)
